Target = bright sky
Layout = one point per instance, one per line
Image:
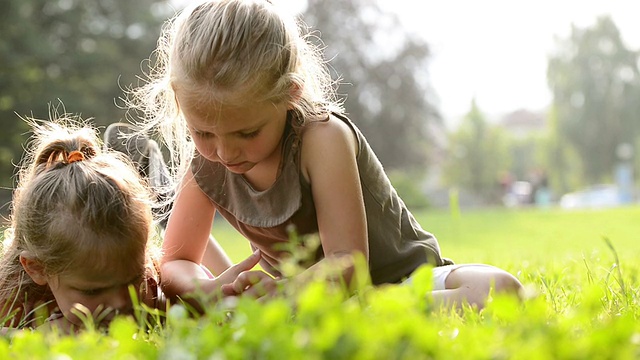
(496, 50)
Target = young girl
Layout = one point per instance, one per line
(80, 235)
(274, 151)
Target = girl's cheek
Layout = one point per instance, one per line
(205, 148)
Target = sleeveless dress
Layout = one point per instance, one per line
(397, 243)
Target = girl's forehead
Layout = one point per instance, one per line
(110, 266)
(228, 118)
(89, 277)
(108, 262)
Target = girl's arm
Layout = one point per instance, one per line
(329, 154)
(215, 258)
(185, 241)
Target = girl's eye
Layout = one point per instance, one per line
(91, 292)
(203, 135)
(250, 135)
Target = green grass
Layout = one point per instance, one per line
(580, 270)
(513, 239)
(532, 234)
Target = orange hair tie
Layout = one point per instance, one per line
(74, 156)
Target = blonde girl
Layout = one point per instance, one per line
(248, 108)
(81, 225)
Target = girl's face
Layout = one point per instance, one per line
(103, 293)
(238, 137)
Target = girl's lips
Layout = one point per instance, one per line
(232, 165)
(236, 167)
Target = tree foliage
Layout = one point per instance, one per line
(596, 85)
(384, 71)
(478, 155)
(77, 53)
(561, 161)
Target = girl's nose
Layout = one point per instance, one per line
(226, 152)
(120, 300)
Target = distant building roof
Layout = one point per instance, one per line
(524, 122)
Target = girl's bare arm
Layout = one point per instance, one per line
(329, 154)
(186, 239)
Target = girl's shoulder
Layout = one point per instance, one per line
(25, 315)
(329, 127)
(11, 314)
(322, 141)
(25, 306)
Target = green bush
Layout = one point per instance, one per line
(408, 187)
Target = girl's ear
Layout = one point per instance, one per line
(295, 93)
(33, 267)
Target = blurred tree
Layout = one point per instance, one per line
(77, 53)
(563, 165)
(478, 155)
(385, 67)
(596, 86)
(523, 155)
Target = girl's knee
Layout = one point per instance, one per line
(478, 281)
(504, 282)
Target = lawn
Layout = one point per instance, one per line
(579, 269)
(519, 240)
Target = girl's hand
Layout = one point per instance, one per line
(234, 271)
(251, 283)
(239, 279)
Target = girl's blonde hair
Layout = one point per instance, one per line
(230, 52)
(75, 207)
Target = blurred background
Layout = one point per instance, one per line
(482, 103)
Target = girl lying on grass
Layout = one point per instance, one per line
(247, 106)
(80, 235)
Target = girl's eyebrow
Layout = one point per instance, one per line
(90, 288)
(101, 286)
(249, 129)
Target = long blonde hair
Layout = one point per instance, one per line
(225, 52)
(74, 206)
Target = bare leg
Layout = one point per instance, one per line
(471, 284)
